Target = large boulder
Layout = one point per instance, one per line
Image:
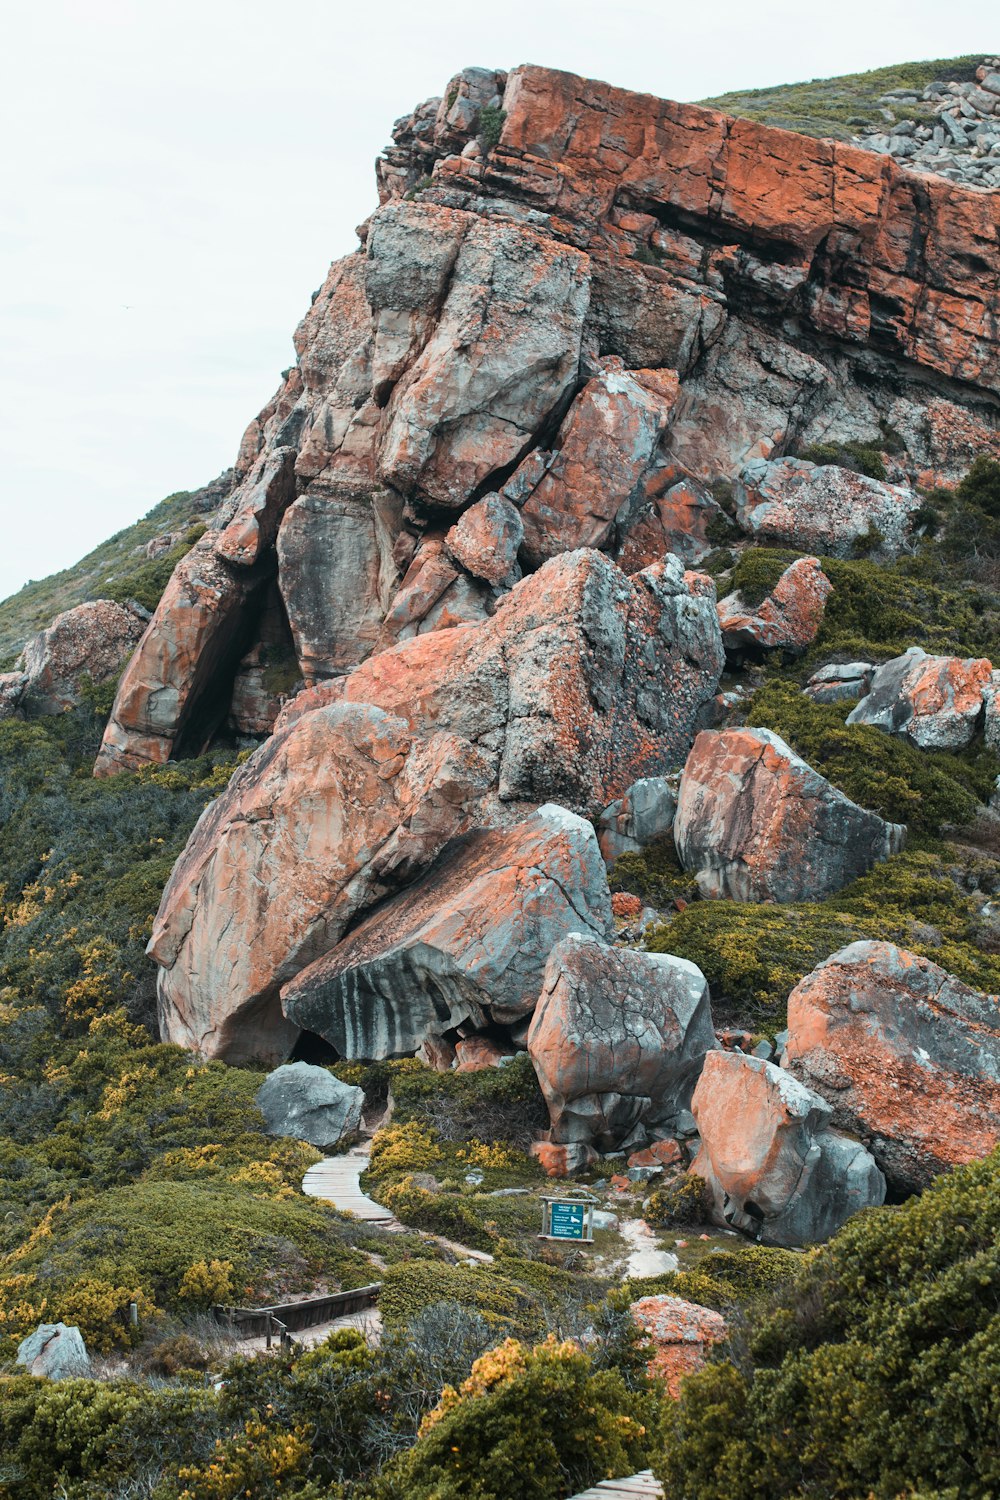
(644, 813)
(467, 943)
(607, 441)
(935, 702)
(309, 1104)
(581, 683)
(787, 620)
(754, 822)
(55, 1351)
(328, 816)
(617, 1040)
(485, 540)
(90, 642)
(822, 507)
(907, 1056)
(773, 1167)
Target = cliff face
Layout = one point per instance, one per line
(539, 237)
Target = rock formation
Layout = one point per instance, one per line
(935, 702)
(466, 944)
(617, 1040)
(907, 1056)
(309, 1104)
(90, 642)
(681, 1333)
(643, 814)
(755, 823)
(787, 620)
(773, 1167)
(824, 507)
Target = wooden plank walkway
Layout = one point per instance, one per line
(636, 1487)
(337, 1179)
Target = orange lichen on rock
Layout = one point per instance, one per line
(681, 1333)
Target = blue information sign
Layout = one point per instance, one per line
(566, 1221)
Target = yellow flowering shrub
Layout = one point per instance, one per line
(207, 1282)
(403, 1148)
(258, 1462)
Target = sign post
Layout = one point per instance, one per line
(569, 1217)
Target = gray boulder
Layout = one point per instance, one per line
(935, 702)
(643, 814)
(467, 943)
(55, 1351)
(840, 680)
(12, 686)
(309, 1104)
(617, 1040)
(821, 507)
(773, 1168)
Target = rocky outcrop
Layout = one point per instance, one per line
(830, 509)
(581, 683)
(55, 1351)
(645, 813)
(12, 686)
(681, 1333)
(935, 702)
(754, 822)
(466, 944)
(486, 539)
(617, 1040)
(587, 485)
(907, 1056)
(328, 816)
(90, 642)
(309, 1104)
(787, 620)
(773, 1167)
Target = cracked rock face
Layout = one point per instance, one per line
(328, 816)
(787, 620)
(467, 943)
(773, 1167)
(907, 1056)
(756, 823)
(617, 1040)
(935, 702)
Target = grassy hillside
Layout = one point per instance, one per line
(118, 568)
(838, 106)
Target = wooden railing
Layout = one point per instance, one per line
(284, 1317)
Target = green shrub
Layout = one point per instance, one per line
(863, 458)
(527, 1425)
(494, 1105)
(682, 1202)
(491, 118)
(146, 582)
(723, 1279)
(654, 874)
(876, 1375)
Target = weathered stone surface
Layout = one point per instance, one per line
(474, 1053)
(503, 355)
(486, 539)
(90, 641)
(594, 476)
(257, 508)
(329, 815)
(563, 1160)
(773, 1167)
(435, 594)
(618, 1038)
(808, 505)
(935, 702)
(840, 681)
(907, 1056)
(12, 686)
(467, 943)
(788, 619)
(337, 574)
(644, 813)
(754, 822)
(55, 1351)
(682, 1333)
(582, 682)
(169, 691)
(674, 518)
(309, 1104)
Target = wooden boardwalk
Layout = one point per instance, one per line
(636, 1487)
(337, 1179)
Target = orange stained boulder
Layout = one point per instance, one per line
(754, 822)
(933, 701)
(681, 1334)
(906, 1054)
(788, 619)
(330, 814)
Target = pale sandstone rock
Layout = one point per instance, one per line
(754, 822)
(55, 1351)
(907, 1056)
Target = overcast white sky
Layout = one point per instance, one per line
(176, 177)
